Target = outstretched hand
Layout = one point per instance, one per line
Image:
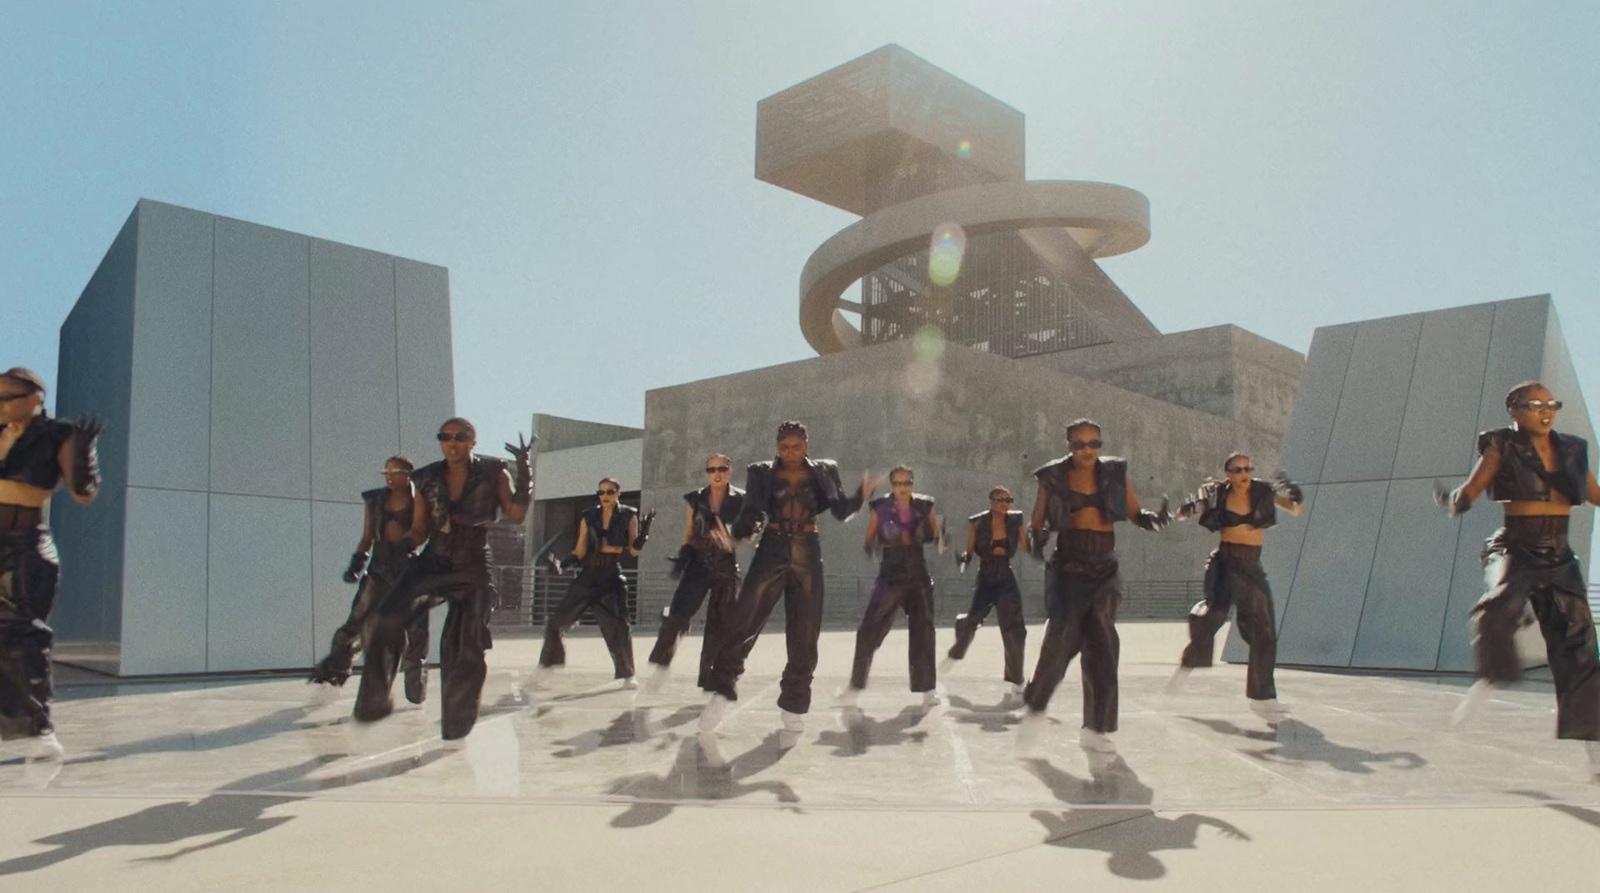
(521, 448)
(87, 427)
(869, 483)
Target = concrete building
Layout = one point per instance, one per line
(252, 380)
(1373, 575)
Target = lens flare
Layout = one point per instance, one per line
(946, 249)
(928, 343)
(964, 149)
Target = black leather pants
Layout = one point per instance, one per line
(1234, 579)
(1084, 588)
(600, 587)
(997, 590)
(28, 574)
(710, 574)
(456, 574)
(382, 574)
(786, 566)
(902, 585)
(1530, 563)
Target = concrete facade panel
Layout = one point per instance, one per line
(427, 376)
(1305, 444)
(92, 377)
(164, 590)
(1407, 595)
(1441, 408)
(260, 367)
(1366, 429)
(335, 533)
(170, 441)
(1515, 354)
(259, 614)
(1320, 620)
(355, 398)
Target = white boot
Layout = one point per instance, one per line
(630, 684)
(946, 664)
(1477, 696)
(1180, 678)
(1269, 709)
(931, 699)
(1030, 733)
(1097, 742)
(45, 748)
(712, 714)
(1013, 697)
(847, 696)
(793, 722)
(657, 683)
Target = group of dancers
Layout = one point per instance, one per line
(444, 509)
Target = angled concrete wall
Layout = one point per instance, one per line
(257, 380)
(1374, 575)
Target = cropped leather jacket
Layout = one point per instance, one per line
(1522, 475)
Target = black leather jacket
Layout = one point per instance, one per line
(1110, 478)
(758, 494)
(479, 503)
(700, 502)
(35, 459)
(1522, 475)
(1263, 508)
(983, 539)
(615, 535)
(889, 528)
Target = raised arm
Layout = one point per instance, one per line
(516, 512)
(79, 460)
(872, 532)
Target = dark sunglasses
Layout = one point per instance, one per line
(7, 398)
(395, 471)
(1240, 469)
(1552, 405)
(1085, 444)
(1001, 499)
(458, 437)
(605, 491)
(900, 483)
(713, 469)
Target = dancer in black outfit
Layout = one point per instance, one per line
(37, 454)
(606, 531)
(382, 556)
(457, 498)
(993, 538)
(1081, 496)
(786, 494)
(1238, 509)
(899, 524)
(1540, 475)
(705, 565)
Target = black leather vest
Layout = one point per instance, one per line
(378, 514)
(700, 504)
(479, 502)
(759, 485)
(1263, 508)
(983, 534)
(890, 528)
(1522, 476)
(35, 459)
(1110, 478)
(616, 535)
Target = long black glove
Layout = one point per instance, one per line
(1282, 484)
(85, 459)
(682, 561)
(358, 564)
(1153, 521)
(1038, 538)
(522, 479)
(644, 530)
(1454, 502)
(962, 560)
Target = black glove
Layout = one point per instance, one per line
(1038, 538)
(85, 459)
(682, 561)
(522, 479)
(358, 564)
(559, 566)
(1282, 484)
(962, 560)
(1153, 521)
(1454, 502)
(644, 530)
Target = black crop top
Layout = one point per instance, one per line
(35, 457)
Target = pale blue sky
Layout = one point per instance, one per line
(585, 170)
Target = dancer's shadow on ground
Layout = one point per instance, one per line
(1130, 835)
(237, 808)
(701, 773)
(631, 726)
(278, 722)
(862, 733)
(1297, 742)
(989, 718)
(1582, 814)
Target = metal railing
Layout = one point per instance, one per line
(529, 594)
